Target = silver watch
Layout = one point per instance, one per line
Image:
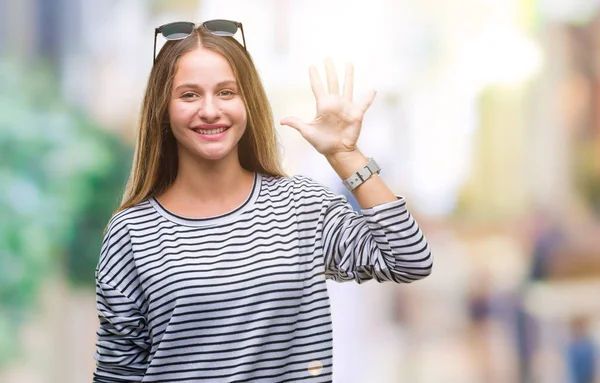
(362, 175)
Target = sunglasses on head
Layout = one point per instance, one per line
(179, 30)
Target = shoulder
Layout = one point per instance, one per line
(116, 251)
(298, 185)
(121, 220)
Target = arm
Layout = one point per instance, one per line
(123, 344)
(385, 243)
(335, 130)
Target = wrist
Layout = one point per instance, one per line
(362, 175)
(346, 164)
(344, 156)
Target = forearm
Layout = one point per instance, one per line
(370, 193)
(385, 243)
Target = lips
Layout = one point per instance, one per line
(210, 131)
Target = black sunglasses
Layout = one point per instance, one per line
(179, 30)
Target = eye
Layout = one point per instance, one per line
(226, 93)
(188, 95)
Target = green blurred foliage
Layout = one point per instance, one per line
(61, 177)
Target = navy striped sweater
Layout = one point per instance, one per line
(241, 297)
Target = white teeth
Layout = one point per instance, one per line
(210, 131)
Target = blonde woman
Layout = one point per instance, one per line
(213, 269)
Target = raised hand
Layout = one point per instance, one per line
(336, 127)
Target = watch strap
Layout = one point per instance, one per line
(362, 175)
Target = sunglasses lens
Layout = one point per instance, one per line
(221, 27)
(177, 31)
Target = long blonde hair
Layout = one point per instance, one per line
(155, 159)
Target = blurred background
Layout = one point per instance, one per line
(487, 120)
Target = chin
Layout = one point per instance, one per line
(215, 155)
(208, 153)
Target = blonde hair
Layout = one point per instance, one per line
(155, 158)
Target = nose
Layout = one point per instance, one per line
(209, 109)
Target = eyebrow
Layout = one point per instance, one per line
(195, 86)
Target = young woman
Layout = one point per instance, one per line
(213, 269)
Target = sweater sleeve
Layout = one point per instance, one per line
(385, 243)
(123, 344)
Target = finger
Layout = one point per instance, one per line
(315, 82)
(367, 101)
(293, 122)
(348, 82)
(332, 78)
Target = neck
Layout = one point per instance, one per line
(207, 188)
(209, 180)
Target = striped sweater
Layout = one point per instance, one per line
(241, 297)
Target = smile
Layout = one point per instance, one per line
(210, 131)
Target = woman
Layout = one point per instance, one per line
(214, 266)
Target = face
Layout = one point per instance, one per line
(207, 113)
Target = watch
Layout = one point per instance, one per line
(362, 175)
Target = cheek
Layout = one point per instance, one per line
(179, 113)
(239, 111)
(244, 117)
(173, 114)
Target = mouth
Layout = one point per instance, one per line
(210, 131)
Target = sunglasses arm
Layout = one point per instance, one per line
(243, 37)
(156, 32)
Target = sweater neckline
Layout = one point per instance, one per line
(218, 219)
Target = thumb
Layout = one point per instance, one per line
(293, 122)
(368, 101)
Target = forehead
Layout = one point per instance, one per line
(203, 66)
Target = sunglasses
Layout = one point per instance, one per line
(179, 30)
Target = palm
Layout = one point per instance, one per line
(336, 126)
